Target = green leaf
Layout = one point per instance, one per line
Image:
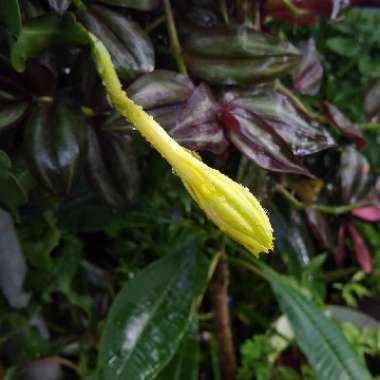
(11, 114)
(40, 33)
(345, 47)
(319, 337)
(10, 15)
(149, 317)
(142, 5)
(12, 193)
(185, 364)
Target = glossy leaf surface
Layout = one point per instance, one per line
(361, 250)
(112, 167)
(326, 348)
(197, 126)
(43, 32)
(259, 143)
(354, 174)
(309, 73)
(185, 363)
(10, 16)
(149, 317)
(55, 135)
(238, 55)
(344, 125)
(372, 100)
(303, 137)
(131, 49)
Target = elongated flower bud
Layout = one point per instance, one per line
(229, 205)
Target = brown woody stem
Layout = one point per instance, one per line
(219, 301)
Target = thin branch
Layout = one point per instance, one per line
(155, 24)
(224, 10)
(332, 210)
(219, 301)
(173, 36)
(294, 9)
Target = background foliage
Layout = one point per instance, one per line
(108, 270)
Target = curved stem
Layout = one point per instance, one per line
(326, 209)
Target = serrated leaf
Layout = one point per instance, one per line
(326, 348)
(149, 317)
(40, 33)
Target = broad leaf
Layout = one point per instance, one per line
(185, 363)
(10, 16)
(40, 33)
(319, 337)
(372, 100)
(130, 48)
(303, 136)
(10, 114)
(309, 73)
(197, 126)
(345, 126)
(149, 317)
(360, 247)
(12, 263)
(238, 55)
(253, 138)
(354, 175)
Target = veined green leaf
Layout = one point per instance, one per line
(149, 317)
(319, 337)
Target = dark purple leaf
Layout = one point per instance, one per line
(369, 214)
(354, 175)
(341, 253)
(142, 5)
(345, 126)
(372, 100)
(59, 6)
(321, 229)
(160, 88)
(197, 125)
(238, 55)
(309, 73)
(362, 252)
(237, 42)
(130, 48)
(275, 109)
(261, 145)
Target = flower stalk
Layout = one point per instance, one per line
(228, 204)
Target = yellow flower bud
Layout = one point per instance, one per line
(229, 205)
